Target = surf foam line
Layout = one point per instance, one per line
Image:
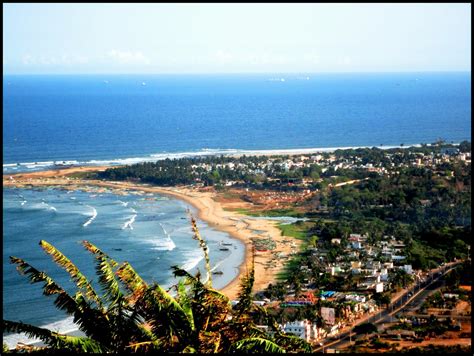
(93, 216)
(123, 203)
(168, 241)
(50, 207)
(39, 166)
(129, 223)
(192, 262)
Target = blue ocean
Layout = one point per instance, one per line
(116, 119)
(99, 119)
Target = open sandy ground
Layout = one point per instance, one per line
(267, 264)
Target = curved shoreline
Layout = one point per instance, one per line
(267, 264)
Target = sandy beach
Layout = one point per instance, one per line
(267, 264)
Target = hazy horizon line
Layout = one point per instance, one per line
(242, 73)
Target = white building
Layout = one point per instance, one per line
(300, 328)
(408, 269)
(379, 288)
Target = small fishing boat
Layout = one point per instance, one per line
(217, 272)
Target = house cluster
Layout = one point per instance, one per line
(271, 167)
(372, 265)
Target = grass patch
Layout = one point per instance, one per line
(298, 230)
(289, 267)
(282, 212)
(265, 213)
(244, 211)
(83, 175)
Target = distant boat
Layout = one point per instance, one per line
(224, 249)
(117, 249)
(217, 272)
(226, 244)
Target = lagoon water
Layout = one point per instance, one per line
(100, 119)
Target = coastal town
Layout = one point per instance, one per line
(341, 275)
(343, 280)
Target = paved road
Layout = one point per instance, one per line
(411, 299)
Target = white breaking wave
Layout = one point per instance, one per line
(123, 203)
(193, 261)
(50, 207)
(93, 216)
(164, 244)
(38, 166)
(23, 202)
(176, 155)
(129, 223)
(213, 269)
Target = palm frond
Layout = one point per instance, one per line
(53, 339)
(164, 314)
(91, 321)
(205, 249)
(63, 300)
(76, 275)
(145, 346)
(246, 285)
(130, 278)
(256, 345)
(292, 343)
(105, 270)
(98, 252)
(185, 302)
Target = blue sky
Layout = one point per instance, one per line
(233, 38)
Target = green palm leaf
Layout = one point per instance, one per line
(130, 278)
(205, 249)
(53, 339)
(164, 314)
(63, 300)
(245, 294)
(145, 346)
(80, 280)
(185, 301)
(293, 343)
(91, 321)
(256, 344)
(105, 270)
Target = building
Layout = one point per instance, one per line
(300, 328)
(408, 269)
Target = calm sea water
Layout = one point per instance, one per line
(106, 118)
